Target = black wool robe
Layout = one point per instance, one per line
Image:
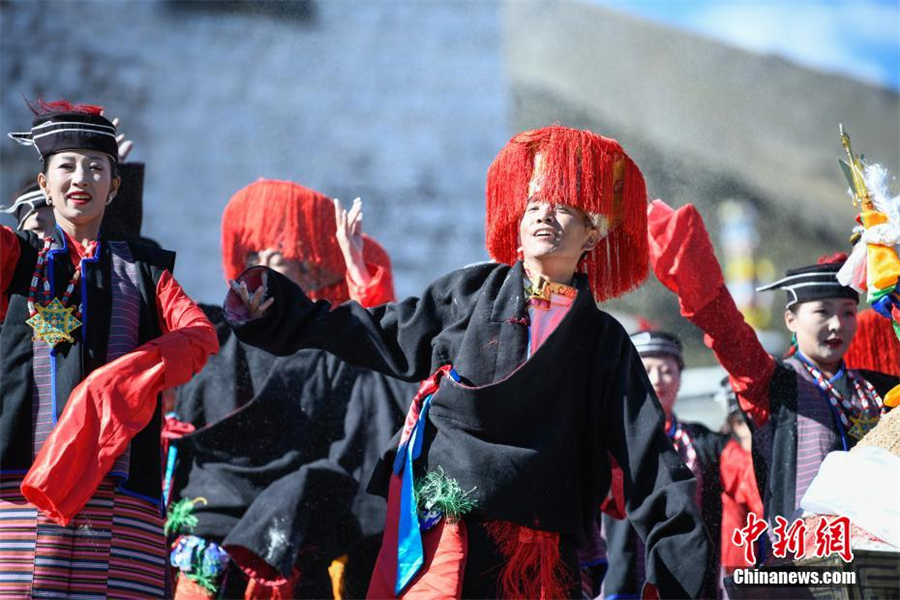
(623, 577)
(278, 449)
(534, 442)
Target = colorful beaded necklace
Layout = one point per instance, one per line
(682, 441)
(51, 319)
(856, 420)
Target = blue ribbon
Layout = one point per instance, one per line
(410, 555)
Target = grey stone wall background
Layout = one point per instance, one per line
(402, 103)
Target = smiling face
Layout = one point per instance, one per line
(824, 329)
(556, 233)
(78, 183)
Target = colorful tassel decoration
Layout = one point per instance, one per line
(180, 518)
(439, 492)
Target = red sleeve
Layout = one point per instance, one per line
(188, 336)
(114, 403)
(740, 496)
(738, 477)
(9, 259)
(683, 259)
(733, 341)
(379, 291)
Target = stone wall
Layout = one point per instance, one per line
(402, 103)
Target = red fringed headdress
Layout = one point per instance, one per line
(269, 214)
(875, 345)
(580, 169)
(299, 222)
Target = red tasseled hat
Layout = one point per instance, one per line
(296, 220)
(300, 223)
(580, 169)
(875, 345)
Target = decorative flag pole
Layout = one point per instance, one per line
(874, 265)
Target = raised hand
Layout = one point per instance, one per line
(349, 237)
(125, 146)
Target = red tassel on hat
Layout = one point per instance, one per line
(533, 568)
(58, 106)
(581, 169)
(269, 214)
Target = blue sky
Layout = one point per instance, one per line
(860, 38)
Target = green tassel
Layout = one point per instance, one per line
(180, 518)
(438, 490)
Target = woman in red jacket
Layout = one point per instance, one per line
(92, 331)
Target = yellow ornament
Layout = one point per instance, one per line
(893, 397)
(54, 323)
(862, 424)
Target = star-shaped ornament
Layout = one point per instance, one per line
(862, 425)
(54, 323)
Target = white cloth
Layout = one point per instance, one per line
(864, 485)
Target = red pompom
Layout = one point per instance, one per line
(45, 107)
(829, 259)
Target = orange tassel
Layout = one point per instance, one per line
(533, 568)
(270, 214)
